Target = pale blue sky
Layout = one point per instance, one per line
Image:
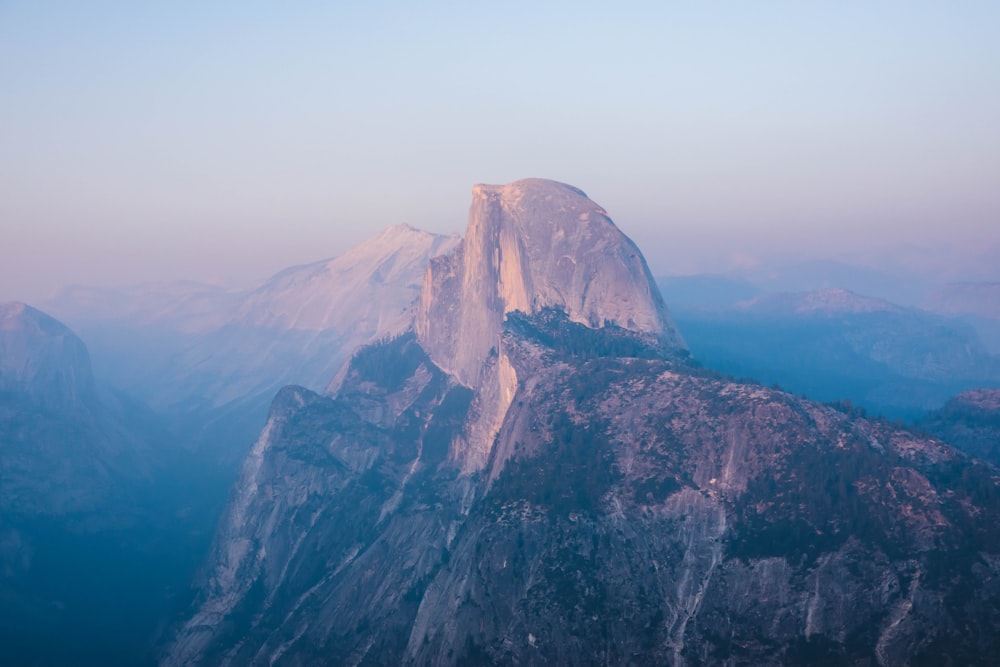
(151, 141)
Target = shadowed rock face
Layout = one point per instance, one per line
(42, 359)
(621, 507)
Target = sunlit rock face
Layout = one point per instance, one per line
(529, 245)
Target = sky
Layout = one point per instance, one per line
(224, 141)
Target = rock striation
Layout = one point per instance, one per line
(529, 245)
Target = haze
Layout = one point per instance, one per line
(144, 141)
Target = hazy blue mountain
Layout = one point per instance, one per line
(705, 291)
(574, 491)
(978, 299)
(61, 450)
(898, 286)
(99, 526)
(833, 344)
(976, 303)
(212, 359)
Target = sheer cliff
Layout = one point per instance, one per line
(529, 245)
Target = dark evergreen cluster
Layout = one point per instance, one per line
(552, 328)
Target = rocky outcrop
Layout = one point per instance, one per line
(532, 477)
(342, 513)
(530, 245)
(633, 509)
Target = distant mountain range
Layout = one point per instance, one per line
(214, 359)
(62, 449)
(977, 299)
(100, 521)
(832, 344)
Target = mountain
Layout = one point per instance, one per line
(529, 245)
(980, 299)
(977, 303)
(183, 306)
(212, 345)
(833, 344)
(971, 422)
(212, 359)
(42, 360)
(829, 302)
(302, 324)
(705, 290)
(628, 508)
(905, 284)
(95, 538)
(61, 450)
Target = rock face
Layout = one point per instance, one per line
(529, 245)
(629, 507)
(41, 359)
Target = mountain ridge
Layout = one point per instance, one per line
(570, 489)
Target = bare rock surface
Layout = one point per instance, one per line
(529, 245)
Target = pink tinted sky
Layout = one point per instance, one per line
(162, 141)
